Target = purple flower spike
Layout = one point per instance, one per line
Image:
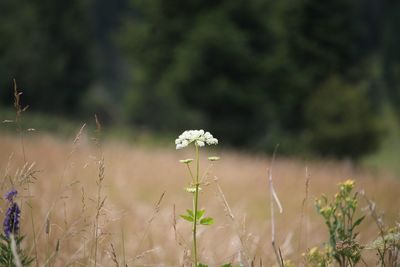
(10, 195)
(11, 220)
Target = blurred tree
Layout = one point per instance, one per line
(105, 94)
(326, 38)
(46, 46)
(212, 64)
(252, 71)
(340, 121)
(246, 69)
(391, 52)
(331, 47)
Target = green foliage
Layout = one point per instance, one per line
(214, 73)
(200, 219)
(339, 217)
(327, 38)
(341, 121)
(252, 71)
(319, 258)
(6, 255)
(391, 54)
(188, 217)
(206, 221)
(62, 127)
(46, 47)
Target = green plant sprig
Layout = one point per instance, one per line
(339, 216)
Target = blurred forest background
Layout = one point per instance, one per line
(319, 78)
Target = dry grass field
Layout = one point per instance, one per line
(136, 228)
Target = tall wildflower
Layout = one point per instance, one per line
(11, 219)
(199, 138)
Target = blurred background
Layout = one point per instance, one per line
(319, 78)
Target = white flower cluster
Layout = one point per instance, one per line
(199, 137)
(192, 189)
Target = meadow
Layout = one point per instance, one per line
(319, 78)
(86, 202)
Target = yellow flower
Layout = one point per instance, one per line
(349, 183)
(326, 211)
(313, 251)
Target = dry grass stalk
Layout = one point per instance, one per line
(26, 175)
(113, 255)
(274, 199)
(19, 110)
(7, 175)
(302, 213)
(186, 257)
(379, 223)
(100, 199)
(156, 210)
(60, 191)
(240, 233)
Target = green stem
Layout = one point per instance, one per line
(195, 206)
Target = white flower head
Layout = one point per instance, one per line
(214, 158)
(198, 137)
(192, 189)
(185, 161)
(200, 143)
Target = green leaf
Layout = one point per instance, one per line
(207, 221)
(187, 218)
(190, 212)
(227, 265)
(201, 265)
(200, 213)
(357, 222)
